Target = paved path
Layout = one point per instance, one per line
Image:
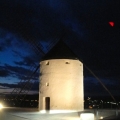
(33, 114)
(24, 114)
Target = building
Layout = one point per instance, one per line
(61, 80)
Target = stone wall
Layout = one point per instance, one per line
(61, 85)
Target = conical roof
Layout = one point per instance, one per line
(60, 51)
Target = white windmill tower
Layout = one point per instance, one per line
(61, 80)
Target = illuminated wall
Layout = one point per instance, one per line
(61, 80)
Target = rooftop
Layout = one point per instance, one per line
(60, 51)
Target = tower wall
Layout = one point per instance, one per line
(61, 80)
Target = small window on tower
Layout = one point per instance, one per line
(47, 84)
(47, 62)
(67, 62)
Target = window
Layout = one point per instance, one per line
(47, 62)
(67, 62)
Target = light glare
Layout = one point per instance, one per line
(1, 106)
(58, 111)
(101, 117)
(87, 116)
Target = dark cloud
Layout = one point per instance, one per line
(8, 71)
(38, 19)
(9, 40)
(34, 85)
(4, 72)
(6, 85)
(4, 44)
(24, 19)
(27, 61)
(22, 73)
(1, 48)
(17, 53)
(16, 71)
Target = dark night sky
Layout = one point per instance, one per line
(84, 25)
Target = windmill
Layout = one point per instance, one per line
(61, 80)
(46, 99)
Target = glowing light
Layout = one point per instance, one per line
(1, 106)
(111, 23)
(101, 117)
(87, 116)
(113, 103)
(57, 111)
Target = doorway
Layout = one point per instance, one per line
(46, 103)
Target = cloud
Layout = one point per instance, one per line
(6, 85)
(32, 59)
(13, 42)
(22, 73)
(6, 88)
(18, 17)
(4, 72)
(27, 61)
(1, 48)
(37, 19)
(35, 85)
(4, 44)
(15, 69)
(18, 72)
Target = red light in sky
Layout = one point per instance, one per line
(111, 23)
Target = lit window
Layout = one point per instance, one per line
(47, 62)
(67, 62)
(47, 84)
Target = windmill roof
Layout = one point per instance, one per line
(60, 51)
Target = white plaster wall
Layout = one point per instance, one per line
(62, 81)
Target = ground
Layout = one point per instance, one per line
(34, 114)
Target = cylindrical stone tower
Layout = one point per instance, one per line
(61, 84)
